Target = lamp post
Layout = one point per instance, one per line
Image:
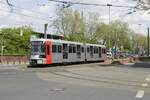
(148, 41)
(140, 46)
(2, 47)
(45, 30)
(109, 5)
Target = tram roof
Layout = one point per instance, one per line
(70, 42)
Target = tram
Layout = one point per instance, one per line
(50, 51)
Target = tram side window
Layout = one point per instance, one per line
(54, 48)
(91, 49)
(65, 47)
(74, 49)
(104, 50)
(94, 49)
(70, 49)
(48, 50)
(100, 52)
(88, 49)
(78, 48)
(82, 49)
(59, 49)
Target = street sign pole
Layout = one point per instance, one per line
(45, 30)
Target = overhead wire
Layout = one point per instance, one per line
(25, 15)
(9, 3)
(23, 23)
(41, 18)
(68, 2)
(92, 4)
(27, 9)
(133, 8)
(64, 2)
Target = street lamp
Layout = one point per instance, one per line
(109, 5)
(148, 42)
(45, 30)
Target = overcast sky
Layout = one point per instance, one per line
(42, 11)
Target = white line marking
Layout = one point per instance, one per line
(82, 68)
(144, 85)
(3, 68)
(139, 94)
(147, 79)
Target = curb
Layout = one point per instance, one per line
(13, 65)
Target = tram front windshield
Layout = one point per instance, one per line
(37, 48)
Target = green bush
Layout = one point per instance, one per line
(16, 40)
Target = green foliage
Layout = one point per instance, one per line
(71, 24)
(15, 41)
(90, 29)
(114, 34)
(138, 42)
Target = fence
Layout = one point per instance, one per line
(14, 59)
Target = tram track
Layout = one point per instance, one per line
(102, 80)
(64, 68)
(63, 72)
(100, 77)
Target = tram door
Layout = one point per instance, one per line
(91, 51)
(100, 52)
(65, 51)
(48, 52)
(78, 51)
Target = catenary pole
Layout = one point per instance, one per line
(148, 41)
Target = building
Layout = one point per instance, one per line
(50, 36)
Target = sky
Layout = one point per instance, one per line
(38, 12)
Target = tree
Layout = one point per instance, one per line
(102, 33)
(92, 23)
(143, 5)
(139, 43)
(71, 24)
(114, 34)
(14, 41)
(76, 27)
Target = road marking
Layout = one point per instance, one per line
(147, 79)
(139, 94)
(144, 85)
(77, 69)
(4, 68)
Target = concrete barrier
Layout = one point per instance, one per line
(14, 59)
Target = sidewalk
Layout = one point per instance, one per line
(12, 65)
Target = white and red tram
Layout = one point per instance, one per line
(49, 51)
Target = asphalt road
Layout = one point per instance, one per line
(75, 82)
